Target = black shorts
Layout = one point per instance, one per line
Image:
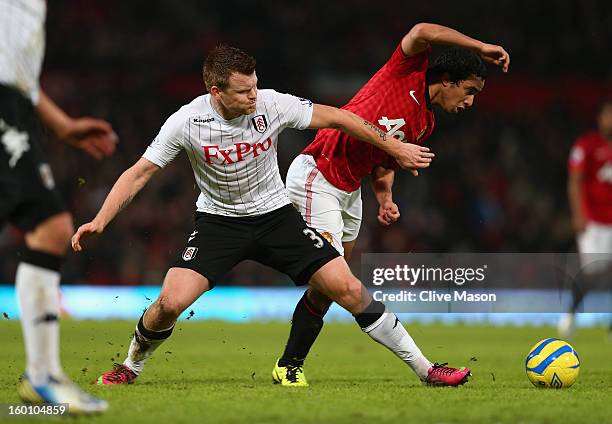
(279, 239)
(27, 191)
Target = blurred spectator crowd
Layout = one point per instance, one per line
(498, 180)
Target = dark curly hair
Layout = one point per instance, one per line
(222, 61)
(459, 63)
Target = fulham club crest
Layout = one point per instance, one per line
(260, 123)
(189, 253)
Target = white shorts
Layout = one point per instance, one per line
(334, 213)
(595, 247)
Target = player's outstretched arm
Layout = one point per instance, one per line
(424, 34)
(408, 156)
(126, 187)
(382, 182)
(95, 136)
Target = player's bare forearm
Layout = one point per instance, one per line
(351, 124)
(355, 126)
(126, 187)
(51, 114)
(382, 183)
(424, 34)
(407, 155)
(94, 136)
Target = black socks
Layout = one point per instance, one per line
(306, 325)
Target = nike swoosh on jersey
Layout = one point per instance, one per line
(413, 97)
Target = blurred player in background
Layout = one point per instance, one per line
(324, 181)
(590, 196)
(243, 211)
(30, 201)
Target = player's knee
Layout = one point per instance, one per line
(168, 307)
(350, 293)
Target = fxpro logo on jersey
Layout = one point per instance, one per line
(236, 153)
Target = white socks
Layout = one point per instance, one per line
(38, 294)
(141, 348)
(389, 331)
(143, 345)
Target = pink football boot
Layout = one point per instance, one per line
(441, 375)
(120, 374)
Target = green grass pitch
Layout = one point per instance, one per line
(217, 372)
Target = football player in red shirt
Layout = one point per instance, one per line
(324, 181)
(590, 196)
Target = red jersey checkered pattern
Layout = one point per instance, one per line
(395, 99)
(592, 156)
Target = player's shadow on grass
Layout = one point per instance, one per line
(264, 380)
(218, 381)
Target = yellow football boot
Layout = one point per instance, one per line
(289, 376)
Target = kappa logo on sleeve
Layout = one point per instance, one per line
(190, 253)
(260, 123)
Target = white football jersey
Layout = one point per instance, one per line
(22, 44)
(234, 162)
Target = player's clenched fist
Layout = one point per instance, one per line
(495, 55)
(84, 231)
(388, 213)
(94, 136)
(412, 157)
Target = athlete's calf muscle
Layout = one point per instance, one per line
(319, 300)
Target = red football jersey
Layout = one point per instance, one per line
(397, 100)
(592, 155)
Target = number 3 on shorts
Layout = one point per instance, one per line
(318, 243)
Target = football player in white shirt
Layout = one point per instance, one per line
(30, 201)
(243, 211)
